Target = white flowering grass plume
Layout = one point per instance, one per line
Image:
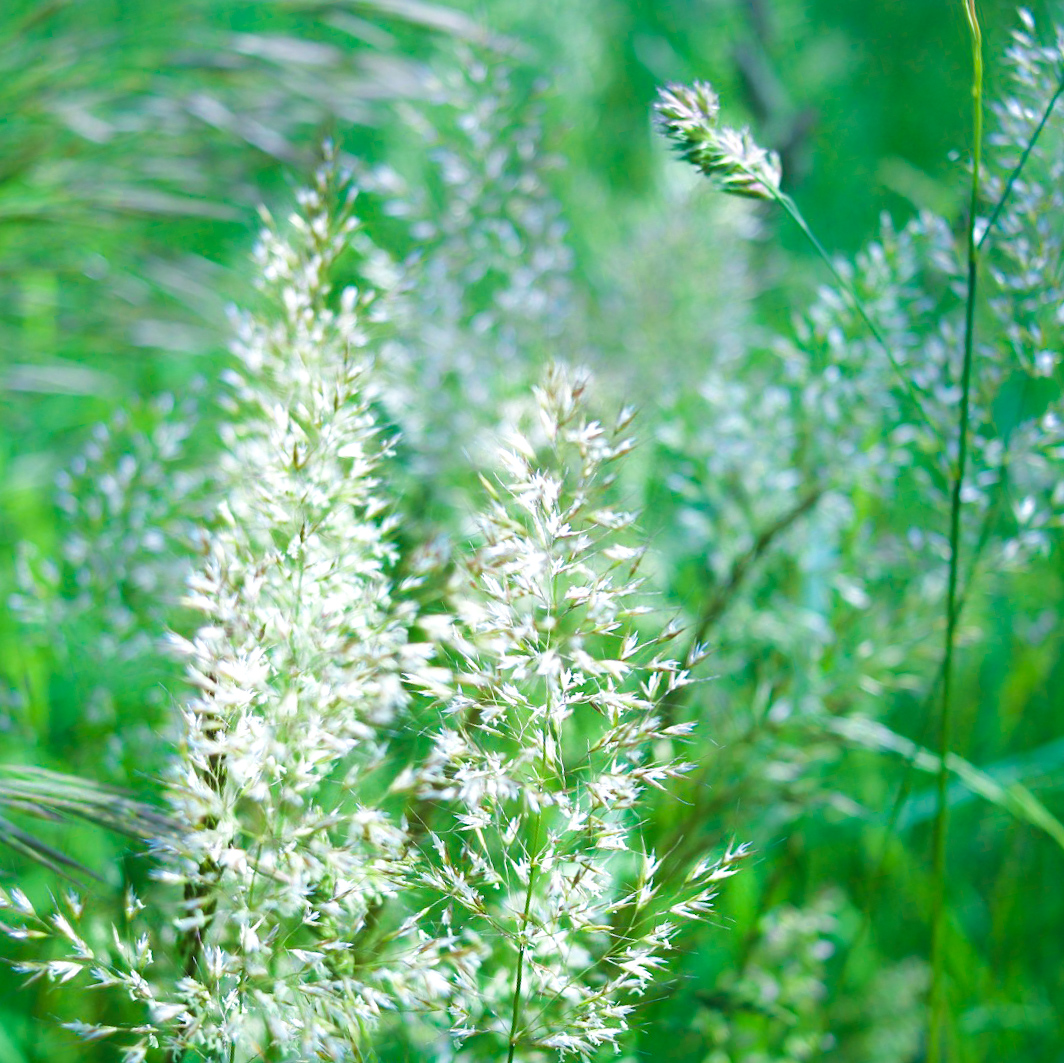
(496, 884)
(550, 742)
(298, 667)
(797, 447)
(689, 115)
(279, 858)
(133, 502)
(775, 1003)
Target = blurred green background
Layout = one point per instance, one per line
(137, 139)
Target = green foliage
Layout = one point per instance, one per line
(795, 466)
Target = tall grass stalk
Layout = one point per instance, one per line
(735, 164)
(938, 960)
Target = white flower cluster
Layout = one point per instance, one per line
(548, 746)
(362, 824)
(133, 500)
(689, 115)
(298, 670)
(1025, 257)
(279, 857)
(781, 989)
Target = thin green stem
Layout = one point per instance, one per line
(515, 1018)
(999, 206)
(889, 833)
(936, 1030)
(848, 289)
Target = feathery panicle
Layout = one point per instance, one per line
(689, 116)
(298, 670)
(516, 897)
(280, 854)
(487, 294)
(551, 741)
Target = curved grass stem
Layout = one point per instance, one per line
(999, 206)
(937, 1017)
(848, 289)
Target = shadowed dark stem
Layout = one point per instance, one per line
(716, 605)
(936, 1032)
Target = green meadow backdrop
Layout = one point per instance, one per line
(137, 142)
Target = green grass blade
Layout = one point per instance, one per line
(1012, 797)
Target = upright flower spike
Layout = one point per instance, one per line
(488, 290)
(282, 860)
(551, 743)
(689, 116)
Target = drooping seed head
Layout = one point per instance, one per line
(688, 116)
